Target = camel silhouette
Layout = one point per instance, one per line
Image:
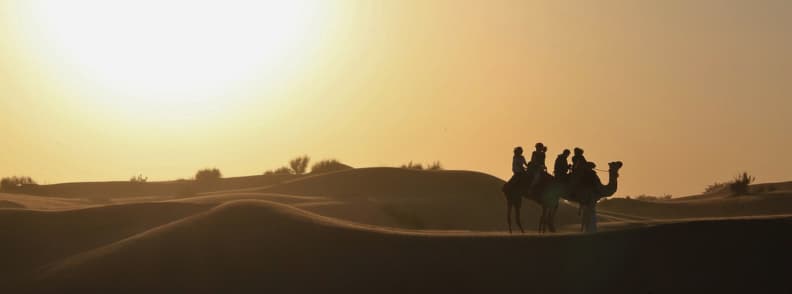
(550, 189)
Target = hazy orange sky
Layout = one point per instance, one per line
(684, 92)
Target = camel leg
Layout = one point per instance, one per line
(543, 220)
(518, 219)
(592, 226)
(508, 216)
(551, 219)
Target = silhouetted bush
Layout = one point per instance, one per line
(433, 166)
(740, 184)
(279, 171)
(15, 182)
(138, 179)
(411, 165)
(715, 187)
(208, 175)
(771, 188)
(299, 165)
(328, 165)
(652, 198)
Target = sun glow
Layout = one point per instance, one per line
(193, 56)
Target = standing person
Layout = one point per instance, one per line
(590, 181)
(561, 167)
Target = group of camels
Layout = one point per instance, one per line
(550, 189)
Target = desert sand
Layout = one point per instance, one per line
(380, 230)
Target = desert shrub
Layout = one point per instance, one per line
(435, 166)
(328, 165)
(771, 188)
(652, 198)
(418, 166)
(739, 186)
(138, 179)
(208, 175)
(15, 182)
(279, 171)
(715, 187)
(411, 165)
(299, 165)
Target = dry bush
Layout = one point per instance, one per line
(652, 198)
(417, 166)
(715, 187)
(328, 165)
(16, 182)
(208, 175)
(435, 166)
(138, 179)
(299, 165)
(739, 186)
(411, 165)
(279, 171)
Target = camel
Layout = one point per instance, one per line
(550, 189)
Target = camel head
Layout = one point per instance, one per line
(613, 167)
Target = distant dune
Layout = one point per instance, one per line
(103, 192)
(41, 203)
(260, 246)
(414, 199)
(765, 199)
(400, 198)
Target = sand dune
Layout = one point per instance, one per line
(724, 192)
(405, 198)
(779, 202)
(412, 199)
(223, 197)
(264, 246)
(33, 238)
(10, 204)
(346, 230)
(42, 203)
(103, 192)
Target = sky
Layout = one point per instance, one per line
(685, 93)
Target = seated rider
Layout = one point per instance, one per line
(590, 176)
(518, 162)
(537, 165)
(579, 162)
(561, 168)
